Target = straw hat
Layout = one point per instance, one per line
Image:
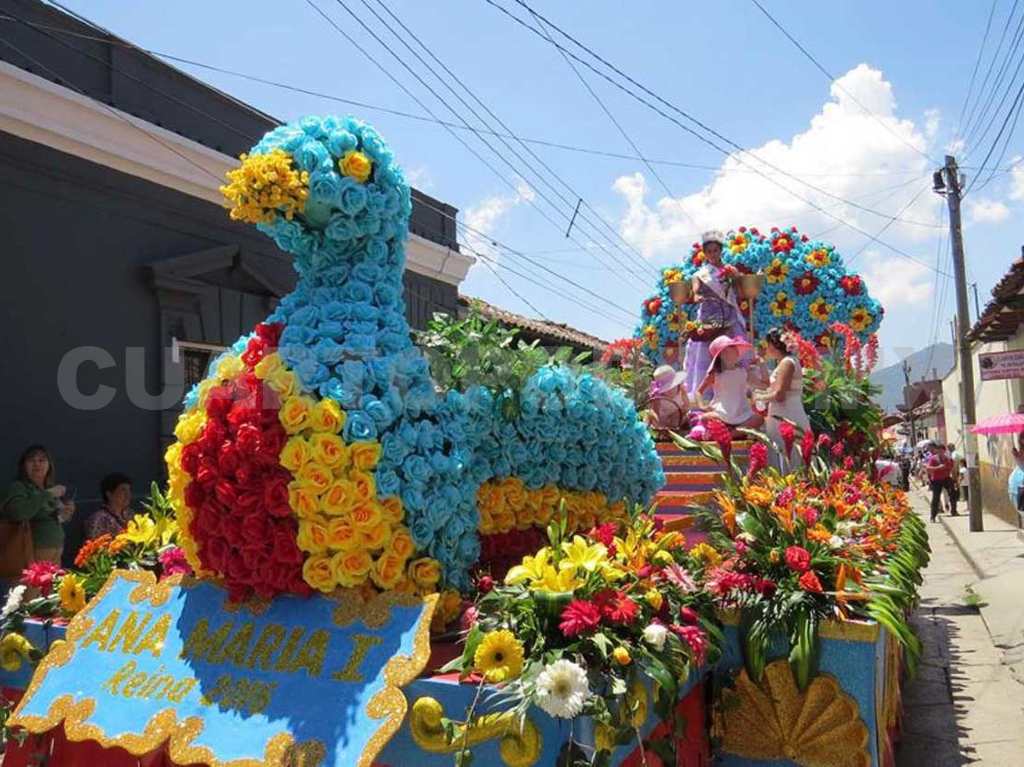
(666, 378)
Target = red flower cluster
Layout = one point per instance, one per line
(616, 607)
(798, 559)
(806, 283)
(40, 575)
(758, 458)
(582, 616)
(809, 582)
(788, 434)
(579, 617)
(243, 523)
(721, 435)
(652, 306)
(807, 446)
(605, 534)
(851, 285)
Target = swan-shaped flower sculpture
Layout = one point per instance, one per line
(318, 453)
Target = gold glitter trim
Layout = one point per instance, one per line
(164, 726)
(846, 631)
(520, 745)
(820, 727)
(375, 611)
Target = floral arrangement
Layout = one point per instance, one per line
(321, 440)
(585, 625)
(807, 288)
(789, 551)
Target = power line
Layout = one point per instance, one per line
(889, 223)
(524, 163)
(977, 63)
(972, 135)
(632, 93)
(593, 151)
(1014, 108)
(835, 81)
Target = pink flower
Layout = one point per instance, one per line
(678, 577)
(809, 515)
(579, 617)
(173, 562)
(469, 617)
(688, 615)
(40, 575)
(807, 446)
(788, 434)
(605, 534)
(758, 458)
(838, 449)
(720, 435)
(798, 559)
(824, 442)
(695, 638)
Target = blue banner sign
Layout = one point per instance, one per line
(305, 682)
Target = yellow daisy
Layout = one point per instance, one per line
(499, 657)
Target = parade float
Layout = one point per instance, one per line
(372, 553)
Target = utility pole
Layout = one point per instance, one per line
(947, 181)
(977, 304)
(908, 400)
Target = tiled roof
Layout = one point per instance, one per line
(1005, 312)
(550, 333)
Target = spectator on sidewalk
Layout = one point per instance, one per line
(940, 479)
(113, 516)
(35, 498)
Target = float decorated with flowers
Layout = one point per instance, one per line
(370, 553)
(806, 287)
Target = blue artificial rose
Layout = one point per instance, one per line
(294, 354)
(388, 482)
(419, 526)
(368, 273)
(324, 187)
(359, 426)
(311, 125)
(364, 310)
(346, 396)
(311, 373)
(310, 155)
(357, 291)
(385, 294)
(328, 351)
(335, 310)
(378, 411)
(341, 141)
(394, 449)
(353, 373)
(352, 197)
(416, 469)
(306, 315)
(394, 342)
(376, 250)
(340, 228)
(359, 344)
(297, 335)
(330, 329)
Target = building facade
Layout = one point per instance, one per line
(122, 272)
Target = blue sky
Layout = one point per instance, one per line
(909, 63)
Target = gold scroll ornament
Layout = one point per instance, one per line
(520, 745)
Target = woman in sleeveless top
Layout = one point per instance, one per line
(785, 400)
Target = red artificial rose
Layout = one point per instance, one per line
(798, 559)
(270, 332)
(207, 472)
(225, 493)
(272, 440)
(254, 352)
(195, 494)
(190, 455)
(247, 439)
(255, 527)
(227, 459)
(214, 434)
(284, 549)
(219, 401)
(246, 473)
(213, 554)
(809, 582)
(578, 617)
(616, 607)
(275, 495)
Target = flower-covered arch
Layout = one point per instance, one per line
(807, 288)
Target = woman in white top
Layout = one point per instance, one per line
(730, 382)
(785, 399)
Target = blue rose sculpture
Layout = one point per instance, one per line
(324, 430)
(807, 288)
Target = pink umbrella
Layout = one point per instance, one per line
(1011, 423)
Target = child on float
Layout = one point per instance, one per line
(668, 405)
(730, 382)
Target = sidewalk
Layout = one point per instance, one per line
(964, 707)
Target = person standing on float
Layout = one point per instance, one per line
(716, 301)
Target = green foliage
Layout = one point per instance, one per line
(840, 402)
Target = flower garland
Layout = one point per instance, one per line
(807, 288)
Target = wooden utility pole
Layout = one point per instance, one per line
(950, 174)
(908, 400)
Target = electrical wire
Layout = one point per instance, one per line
(1014, 108)
(889, 223)
(835, 81)
(632, 93)
(973, 137)
(977, 63)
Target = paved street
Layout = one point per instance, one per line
(966, 704)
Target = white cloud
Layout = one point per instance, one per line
(420, 177)
(986, 211)
(1017, 179)
(931, 123)
(844, 152)
(482, 219)
(895, 281)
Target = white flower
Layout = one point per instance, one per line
(562, 689)
(836, 542)
(655, 636)
(13, 601)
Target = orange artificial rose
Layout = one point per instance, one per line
(365, 455)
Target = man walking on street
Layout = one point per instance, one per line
(940, 478)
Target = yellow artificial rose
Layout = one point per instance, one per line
(356, 165)
(376, 537)
(365, 455)
(366, 515)
(71, 593)
(425, 573)
(203, 392)
(341, 536)
(317, 476)
(654, 598)
(339, 498)
(295, 413)
(388, 570)
(313, 535)
(317, 572)
(295, 453)
(303, 499)
(391, 509)
(328, 417)
(330, 450)
(449, 606)
(172, 457)
(621, 655)
(401, 543)
(404, 586)
(351, 568)
(268, 366)
(230, 366)
(284, 382)
(366, 487)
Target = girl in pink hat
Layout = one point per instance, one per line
(668, 404)
(730, 383)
